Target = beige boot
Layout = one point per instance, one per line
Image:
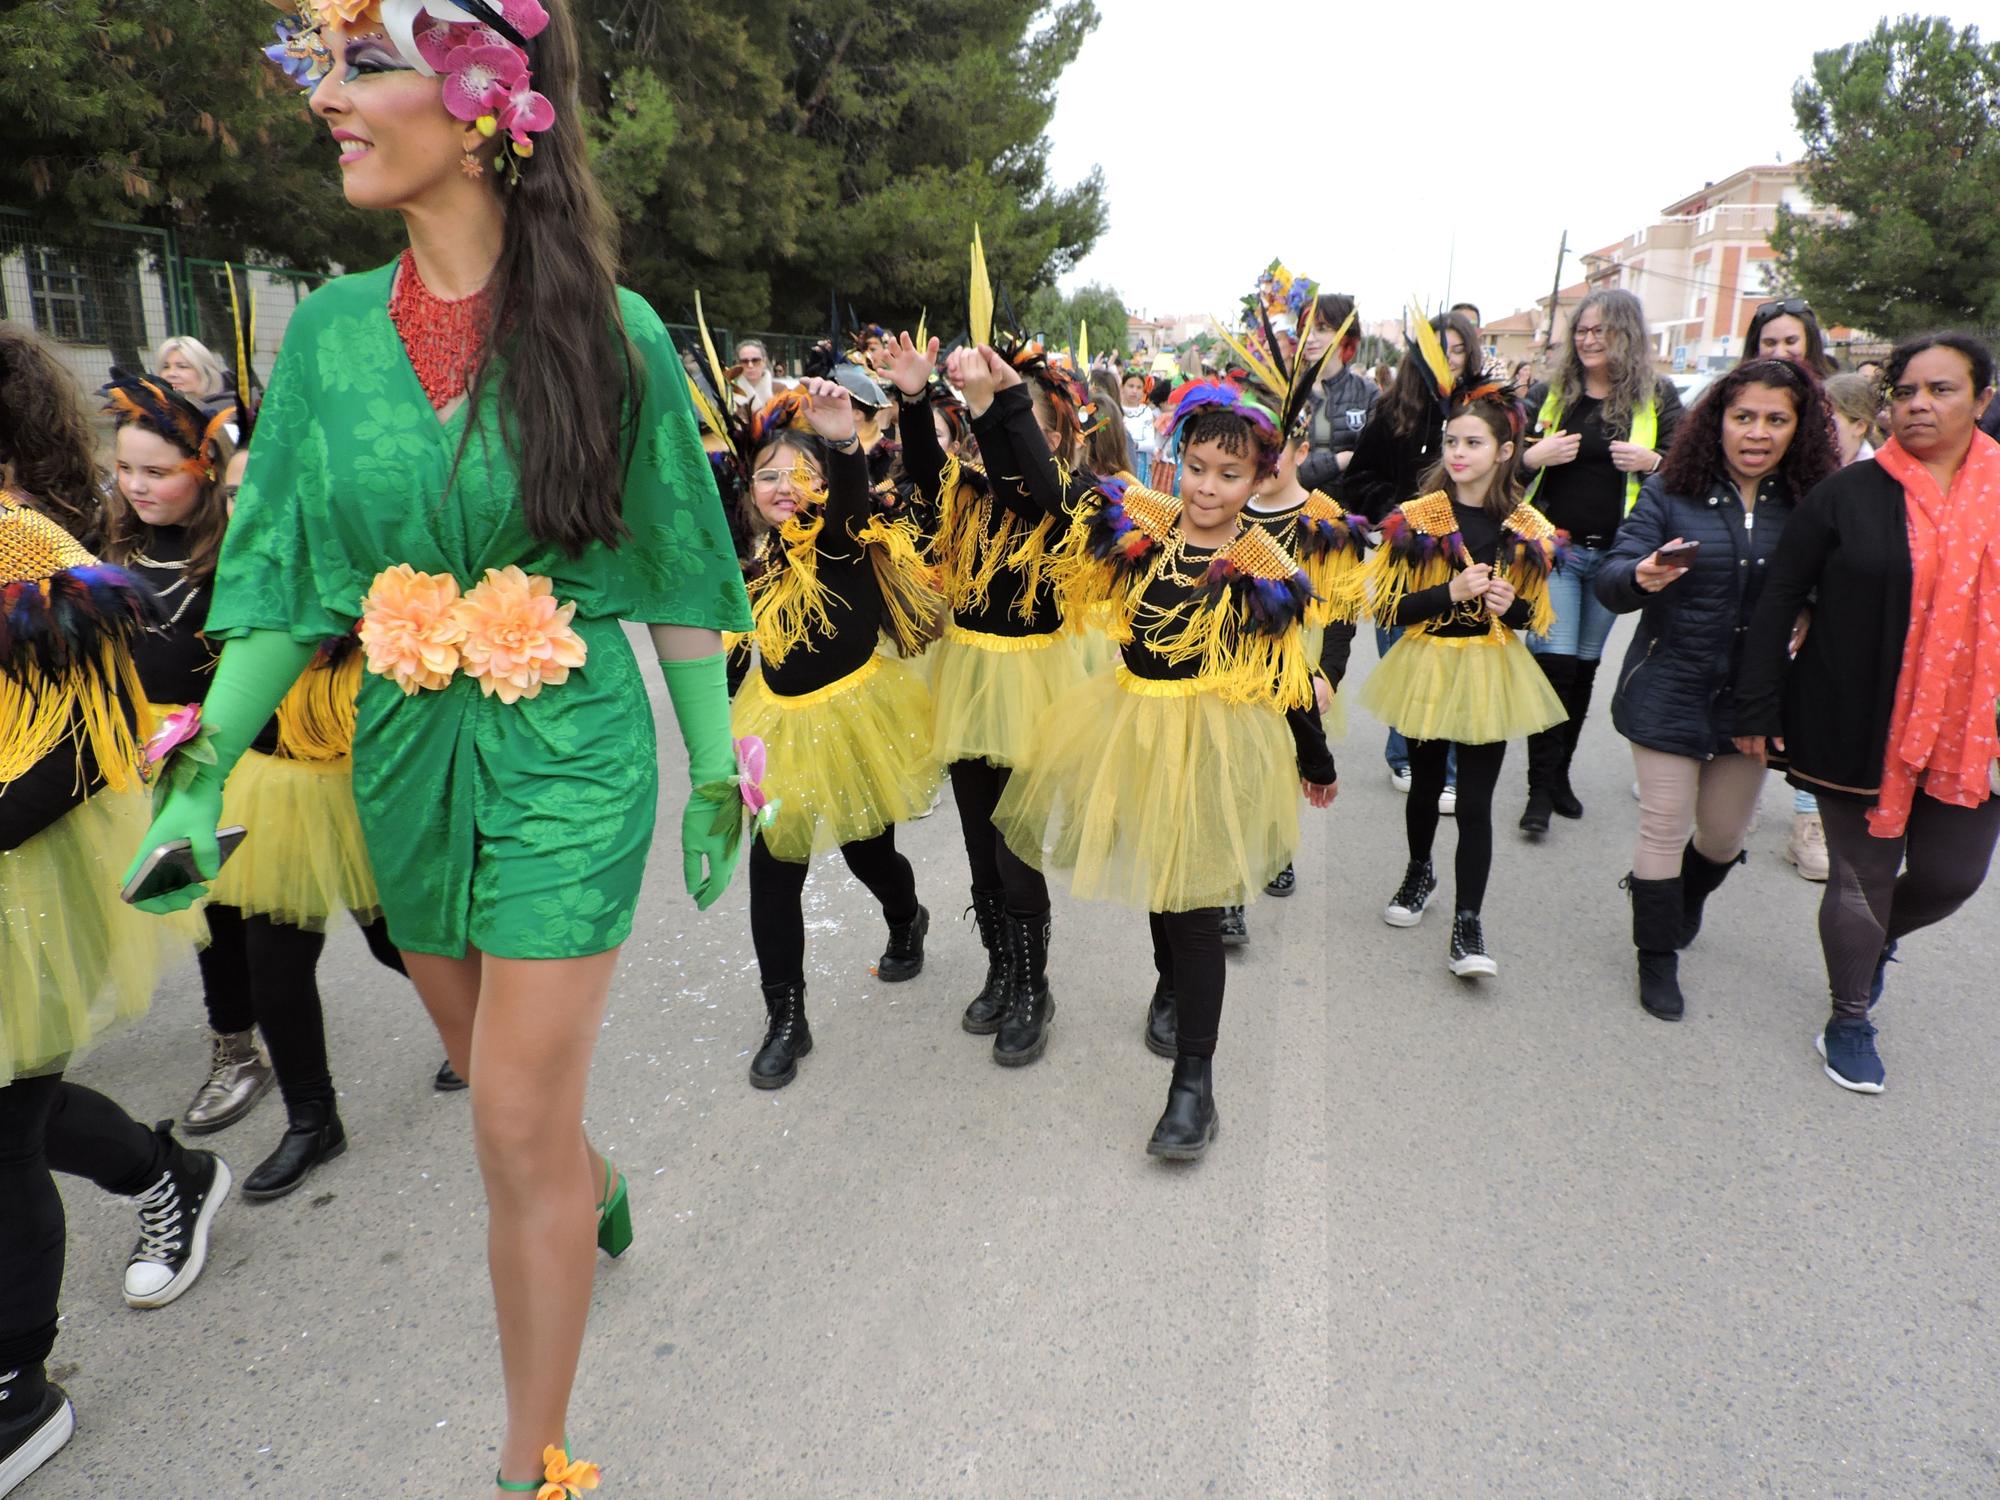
(1807, 850)
(238, 1076)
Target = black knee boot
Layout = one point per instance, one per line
(1699, 879)
(1656, 929)
(787, 1039)
(1024, 1024)
(1547, 750)
(1576, 702)
(1189, 1121)
(982, 1016)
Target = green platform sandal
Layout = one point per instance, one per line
(614, 1215)
(563, 1478)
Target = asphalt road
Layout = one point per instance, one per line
(1512, 1240)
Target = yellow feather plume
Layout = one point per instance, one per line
(1430, 348)
(982, 293)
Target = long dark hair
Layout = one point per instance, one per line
(47, 446)
(1694, 464)
(571, 382)
(1789, 307)
(1410, 405)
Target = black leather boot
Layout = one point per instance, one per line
(1656, 926)
(1160, 1029)
(1190, 1121)
(786, 1041)
(1024, 1024)
(314, 1135)
(1700, 879)
(1577, 703)
(1546, 750)
(982, 1016)
(904, 957)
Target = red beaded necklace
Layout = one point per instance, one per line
(443, 338)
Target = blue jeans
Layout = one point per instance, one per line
(1582, 624)
(1804, 801)
(1397, 751)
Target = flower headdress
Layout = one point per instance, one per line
(158, 406)
(483, 49)
(1283, 380)
(1195, 397)
(1282, 298)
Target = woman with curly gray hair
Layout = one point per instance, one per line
(1602, 425)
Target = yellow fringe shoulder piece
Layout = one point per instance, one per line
(67, 627)
(788, 599)
(316, 718)
(1244, 626)
(1332, 547)
(977, 537)
(1532, 551)
(1419, 550)
(911, 601)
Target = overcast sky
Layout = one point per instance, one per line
(1403, 126)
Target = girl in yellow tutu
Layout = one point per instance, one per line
(846, 729)
(1463, 569)
(303, 860)
(1171, 784)
(1004, 656)
(75, 961)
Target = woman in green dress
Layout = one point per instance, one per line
(485, 454)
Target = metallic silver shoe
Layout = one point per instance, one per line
(238, 1076)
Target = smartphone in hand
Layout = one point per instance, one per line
(1677, 557)
(171, 866)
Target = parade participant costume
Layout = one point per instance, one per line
(1183, 797)
(1005, 655)
(1459, 681)
(845, 728)
(76, 962)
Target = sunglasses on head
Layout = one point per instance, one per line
(1796, 307)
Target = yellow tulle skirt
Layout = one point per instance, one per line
(1156, 797)
(76, 961)
(303, 859)
(992, 690)
(845, 762)
(1098, 651)
(1476, 690)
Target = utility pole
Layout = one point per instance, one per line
(1555, 296)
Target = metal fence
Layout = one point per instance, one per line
(111, 296)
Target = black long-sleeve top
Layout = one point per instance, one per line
(176, 662)
(854, 595)
(1586, 496)
(1481, 533)
(1388, 466)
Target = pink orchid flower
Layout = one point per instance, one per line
(524, 111)
(525, 16)
(480, 80)
(180, 726)
(436, 40)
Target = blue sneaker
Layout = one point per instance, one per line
(1881, 974)
(1851, 1058)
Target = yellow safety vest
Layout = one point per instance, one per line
(1645, 432)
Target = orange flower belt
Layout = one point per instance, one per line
(508, 634)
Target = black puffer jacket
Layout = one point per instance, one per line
(1676, 691)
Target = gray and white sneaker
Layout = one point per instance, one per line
(1469, 959)
(175, 1215)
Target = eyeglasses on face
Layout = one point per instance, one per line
(1591, 333)
(753, 359)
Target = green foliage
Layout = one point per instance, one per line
(1902, 137)
(164, 112)
(1056, 318)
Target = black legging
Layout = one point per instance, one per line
(1478, 771)
(262, 972)
(1187, 951)
(49, 1124)
(778, 923)
(976, 786)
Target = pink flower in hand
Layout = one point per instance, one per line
(750, 772)
(180, 726)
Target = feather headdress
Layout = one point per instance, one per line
(1283, 380)
(1192, 398)
(155, 405)
(1066, 391)
(244, 322)
(1425, 348)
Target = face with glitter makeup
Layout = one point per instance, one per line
(398, 144)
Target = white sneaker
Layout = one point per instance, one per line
(1807, 850)
(1448, 801)
(1399, 778)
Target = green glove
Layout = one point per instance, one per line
(700, 693)
(254, 674)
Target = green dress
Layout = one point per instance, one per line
(522, 828)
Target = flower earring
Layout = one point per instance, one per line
(471, 166)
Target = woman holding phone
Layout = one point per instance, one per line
(1692, 558)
